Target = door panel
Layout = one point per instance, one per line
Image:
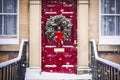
(64, 58)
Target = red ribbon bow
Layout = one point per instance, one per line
(59, 38)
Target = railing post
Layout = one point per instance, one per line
(1, 73)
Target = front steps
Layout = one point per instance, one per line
(35, 74)
(83, 70)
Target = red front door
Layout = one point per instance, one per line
(59, 39)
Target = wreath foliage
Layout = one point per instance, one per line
(54, 22)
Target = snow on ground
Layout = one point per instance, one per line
(34, 74)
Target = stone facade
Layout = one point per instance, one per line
(30, 28)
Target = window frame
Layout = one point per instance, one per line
(11, 39)
(106, 40)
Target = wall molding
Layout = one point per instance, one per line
(83, 2)
(35, 2)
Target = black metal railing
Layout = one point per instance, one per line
(15, 69)
(103, 69)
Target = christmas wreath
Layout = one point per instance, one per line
(58, 22)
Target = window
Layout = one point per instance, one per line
(110, 21)
(8, 21)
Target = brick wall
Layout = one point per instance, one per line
(112, 56)
(7, 55)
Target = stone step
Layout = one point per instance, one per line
(83, 70)
(36, 74)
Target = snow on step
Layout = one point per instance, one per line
(34, 74)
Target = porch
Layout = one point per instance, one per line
(34, 74)
(99, 69)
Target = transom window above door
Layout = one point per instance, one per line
(110, 21)
(8, 20)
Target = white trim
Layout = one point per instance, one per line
(99, 20)
(107, 40)
(50, 65)
(67, 66)
(50, 12)
(9, 41)
(18, 15)
(67, 12)
(68, 46)
(110, 14)
(49, 46)
(8, 13)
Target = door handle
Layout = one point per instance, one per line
(75, 42)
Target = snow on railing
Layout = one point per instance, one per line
(113, 64)
(15, 59)
(103, 69)
(15, 69)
